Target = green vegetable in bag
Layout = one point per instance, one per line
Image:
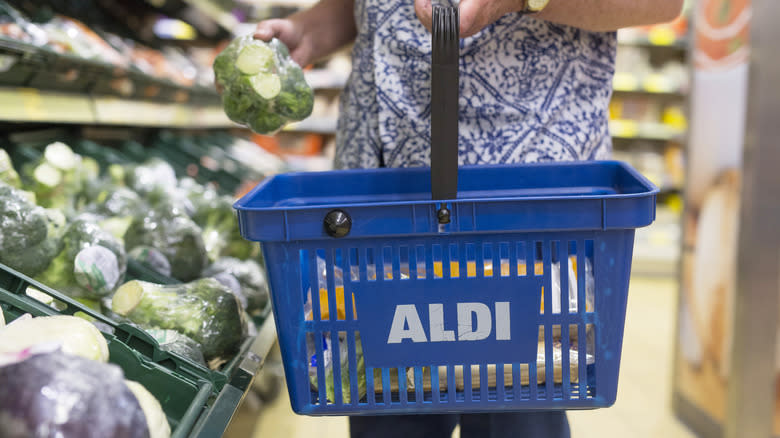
(263, 88)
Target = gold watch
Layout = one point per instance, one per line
(534, 6)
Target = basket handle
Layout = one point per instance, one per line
(444, 105)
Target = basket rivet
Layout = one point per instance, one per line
(337, 223)
(443, 215)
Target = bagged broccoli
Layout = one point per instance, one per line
(175, 235)
(204, 310)
(59, 177)
(263, 88)
(91, 264)
(31, 236)
(250, 277)
(214, 213)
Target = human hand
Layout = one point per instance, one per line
(291, 33)
(475, 15)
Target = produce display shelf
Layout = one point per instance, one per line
(21, 104)
(195, 405)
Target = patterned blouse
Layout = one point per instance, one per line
(530, 91)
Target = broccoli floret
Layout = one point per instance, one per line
(153, 174)
(203, 310)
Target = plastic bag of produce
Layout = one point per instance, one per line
(92, 263)
(55, 394)
(327, 363)
(262, 87)
(175, 342)
(31, 236)
(251, 279)
(204, 310)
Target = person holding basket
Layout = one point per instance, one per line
(535, 85)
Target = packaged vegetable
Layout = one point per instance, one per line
(204, 310)
(31, 236)
(251, 279)
(91, 264)
(74, 336)
(263, 88)
(56, 394)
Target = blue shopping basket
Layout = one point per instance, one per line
(508, 295)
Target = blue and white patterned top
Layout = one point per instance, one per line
(530, 91)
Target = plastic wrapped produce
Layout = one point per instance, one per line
(327, 353)
(151, 258)
(175, 235)
(31, 236)
(251, 279)
(73, 336)
(175, 342)
(203, 310)
(263, 88)
(91, 264)
(56, 394)
(7, 173)
(153, 174)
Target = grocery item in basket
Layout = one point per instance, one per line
(203, 310)
(327, 364)
(56, 394)
(175, 235)
(73, 336)
(263, 87)
(155, 417)
(250, 276)
(92, 263)
(31, 236)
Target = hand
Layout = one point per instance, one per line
(291, 33)
(475, 15)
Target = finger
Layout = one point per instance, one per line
(424, 12)
(470, 18)
(269, 29)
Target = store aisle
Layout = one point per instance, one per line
(643, 409)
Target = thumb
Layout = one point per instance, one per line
(424, 12)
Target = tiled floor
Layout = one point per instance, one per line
(642, 409)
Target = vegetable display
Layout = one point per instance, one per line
(263, 88)
(203, 310)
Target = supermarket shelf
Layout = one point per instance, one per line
(33, 105)
(318, 125)
(657, 38)
(653, 84)
(630, 130)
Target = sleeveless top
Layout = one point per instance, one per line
(530, 91)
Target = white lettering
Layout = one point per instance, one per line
(436, 315)
(406, 315)
(466, 331)
(503, 328)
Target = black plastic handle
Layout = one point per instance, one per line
(444, 103)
